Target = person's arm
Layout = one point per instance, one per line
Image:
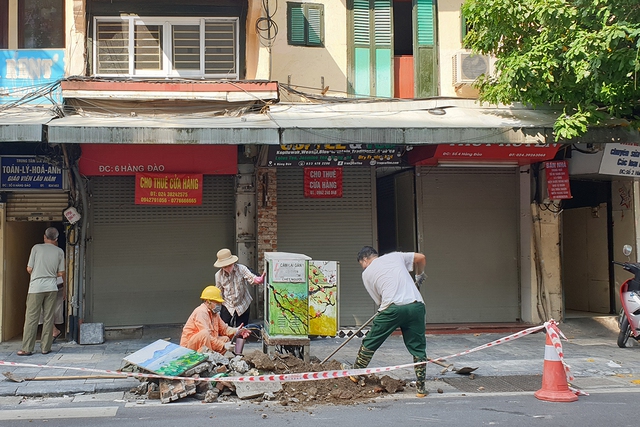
(29, 269)
(419, 262)
(250, 277)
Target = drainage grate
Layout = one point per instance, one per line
(508, 383)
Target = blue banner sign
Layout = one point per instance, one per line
(29, 173)
(24, 71)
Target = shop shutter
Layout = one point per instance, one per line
(468, 225)
(332, 230)
(148, 264)
(36, 206)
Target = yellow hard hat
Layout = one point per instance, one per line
(212, 293)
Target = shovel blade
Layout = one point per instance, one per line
(465, 371)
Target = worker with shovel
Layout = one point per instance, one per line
(205, 327)
(390, 285)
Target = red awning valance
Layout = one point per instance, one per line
(516, 154)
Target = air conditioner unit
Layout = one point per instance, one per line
(467, 67)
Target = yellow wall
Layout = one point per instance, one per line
(19, 237)
(449, 43)
(306, 65)
(75, 29)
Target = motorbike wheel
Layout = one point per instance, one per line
(625, 333)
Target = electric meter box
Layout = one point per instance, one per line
(300, 295)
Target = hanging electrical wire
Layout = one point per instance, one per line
(266, 27)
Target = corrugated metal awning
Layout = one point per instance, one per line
(17, 125)
(439, 121)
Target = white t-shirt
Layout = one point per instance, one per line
(388, 281)
(46, 260)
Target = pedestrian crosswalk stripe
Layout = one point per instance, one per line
(58, 413)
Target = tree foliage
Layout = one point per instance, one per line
(580, 55)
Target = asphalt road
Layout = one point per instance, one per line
(601, 408)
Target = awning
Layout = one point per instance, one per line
(177, 129)
(17, 125)
(438, 121)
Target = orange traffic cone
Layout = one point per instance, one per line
(554, 379)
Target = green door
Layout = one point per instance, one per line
(371, 72)
(425, 53)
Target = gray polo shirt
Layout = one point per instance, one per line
(46, 260)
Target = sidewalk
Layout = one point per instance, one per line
(591, 352)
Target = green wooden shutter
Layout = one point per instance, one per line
(315, 20)
(305, 24)
(362, 48)
(372, 48)
(425, 54)
(383, 48)
(296, 30)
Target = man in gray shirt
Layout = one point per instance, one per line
(46, 263)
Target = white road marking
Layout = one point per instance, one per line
(58, 413)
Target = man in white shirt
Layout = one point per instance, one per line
(390, 285)
(46, 263)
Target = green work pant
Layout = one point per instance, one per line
(41, 301)
(411, 320)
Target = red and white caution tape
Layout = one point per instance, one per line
(323, 375)
(554, 334)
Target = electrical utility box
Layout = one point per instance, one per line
(300, 295)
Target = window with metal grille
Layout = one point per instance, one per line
(305, 24)
(166, 47)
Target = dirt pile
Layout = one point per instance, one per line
(298, 394)
(337, 391)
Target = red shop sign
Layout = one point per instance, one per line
(130, 159)
(177, 189)
(557, 173)
(323, 182)
(520, 154)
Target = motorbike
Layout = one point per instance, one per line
(629, 320)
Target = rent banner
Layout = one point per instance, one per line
(323, 182)
(557, 173)
(168, 189)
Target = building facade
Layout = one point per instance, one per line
(249, 100)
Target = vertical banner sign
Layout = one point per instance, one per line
(323, 182)
(168, 189)
(557, 173)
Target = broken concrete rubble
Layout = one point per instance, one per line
(211, 381)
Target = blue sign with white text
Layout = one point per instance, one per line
(29, 173)
(25, 71)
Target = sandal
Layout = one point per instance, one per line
(55, 337)
(24, 353)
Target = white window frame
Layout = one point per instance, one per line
(167, 52)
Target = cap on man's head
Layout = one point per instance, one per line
(51, 233)
(225, 258)
(366, 252)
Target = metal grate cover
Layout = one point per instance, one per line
(489, 384)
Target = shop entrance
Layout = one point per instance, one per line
(19, 237)
(587, 249)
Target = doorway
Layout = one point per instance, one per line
(19, 238)
(403, 49)
(586, 249)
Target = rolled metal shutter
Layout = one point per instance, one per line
(36, 205)
(331, 230)
(148, 264)
(468, 224)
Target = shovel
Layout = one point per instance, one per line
(461, 371)
(349, 339)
